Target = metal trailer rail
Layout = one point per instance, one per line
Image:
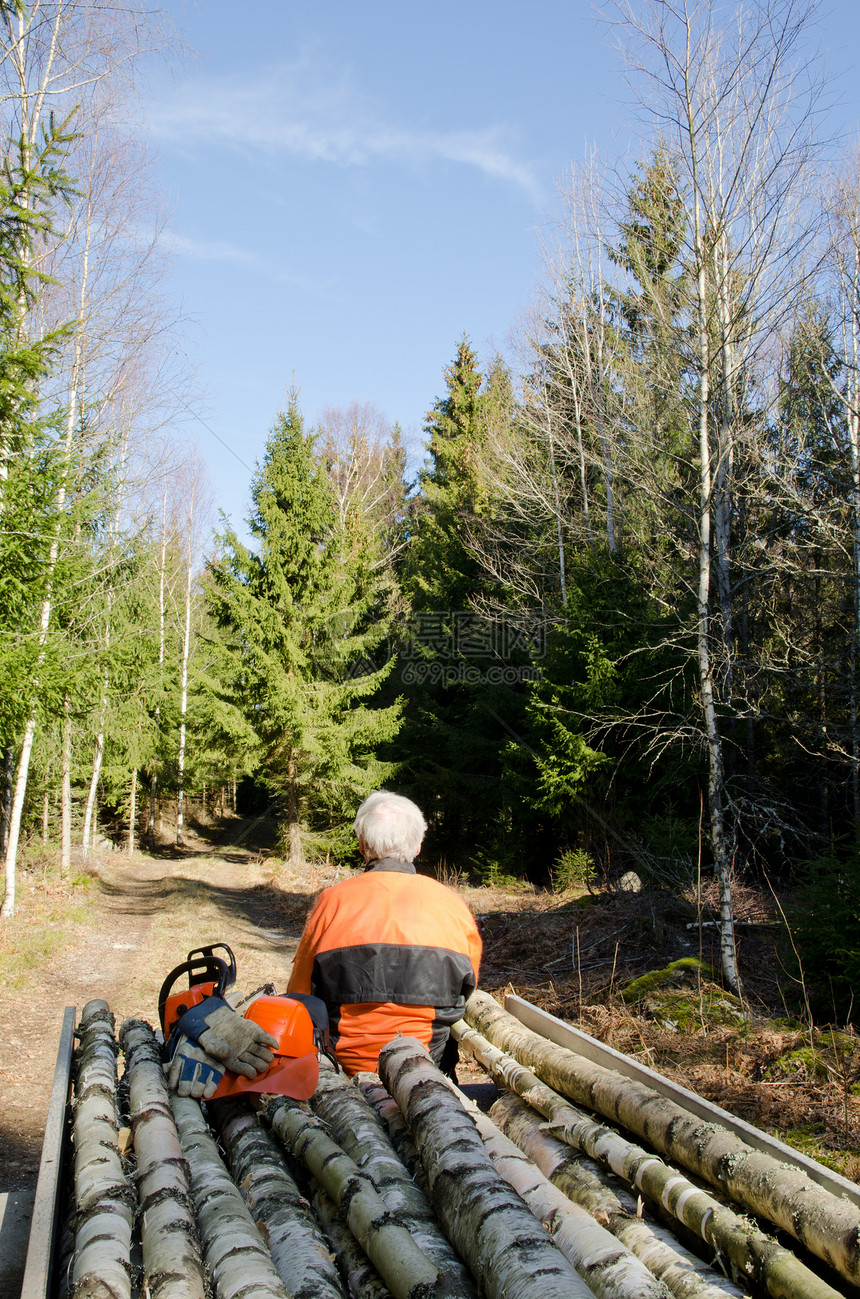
(548, 1026)
(38, 1282)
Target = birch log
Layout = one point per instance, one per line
(234, 1251)
(682, 1275)
(172, 1263)
(403, 1266)
(827, 1226)
(608, 1268)
(510, 1254)
(283, 1216)
(361, 1134)
(361, 1277)
(756, 1257)
(104, 1197)
(388, 1111)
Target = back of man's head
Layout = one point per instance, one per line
(389, 825)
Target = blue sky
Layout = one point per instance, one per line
(353, 186)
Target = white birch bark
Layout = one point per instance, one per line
(283, 1216)
(510, 1255)
(240, 1264)
(361, 1134)
(827, 1226)
(104, 1198)
(609, 1269)
(173, 1267)
(403, 1266)
(361, 1277)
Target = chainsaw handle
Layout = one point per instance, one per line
(202, 966)
(210, 950)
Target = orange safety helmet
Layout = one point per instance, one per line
(295, 1069)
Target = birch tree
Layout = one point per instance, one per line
(736, 107)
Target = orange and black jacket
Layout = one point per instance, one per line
(389, 952)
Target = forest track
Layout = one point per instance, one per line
(143, 915)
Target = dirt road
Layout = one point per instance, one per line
(146, 915)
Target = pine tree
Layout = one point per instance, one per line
(302, 622)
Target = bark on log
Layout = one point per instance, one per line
(104, 1198)
(608, 1268)
(755, 1256)
(403, 1266)
(510, 1254)
(388, 1111)
(361, 1277)
(285, 1220)
(682, 1275)
(827, 1226)
(234, 1251)
(172, 1263)
(360, 1133)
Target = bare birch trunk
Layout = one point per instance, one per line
(89, 809)
(403, 1266)
(283, 1216)
(183, 685)
(680, 1273)
(173, 1267)
(827, 1226)
(66, 796)
(509, 1253)
(233, 1249)
(132, 812)
(104, 1197)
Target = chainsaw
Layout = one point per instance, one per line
(298, 1022)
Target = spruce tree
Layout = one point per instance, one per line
(303, 623)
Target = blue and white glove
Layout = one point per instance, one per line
(191, 1071)
(239, 1043)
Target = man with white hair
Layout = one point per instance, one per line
(389, 951)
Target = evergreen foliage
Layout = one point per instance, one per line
(303, 615)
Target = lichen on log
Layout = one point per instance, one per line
(755, 1256)
(509, 1253)
(403, 1266)
(829, 1227)
(284, 1218)
(240, 1264)
(104, 1197)
(173, 1267)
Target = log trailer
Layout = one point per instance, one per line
(590, 1174)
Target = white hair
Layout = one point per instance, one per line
(389, 825)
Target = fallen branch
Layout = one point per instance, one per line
(509, 1253)
(104, 1198)
(173, 1268)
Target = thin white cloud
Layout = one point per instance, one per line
(291, 111)
(223, 252)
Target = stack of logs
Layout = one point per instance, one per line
(397, 1185)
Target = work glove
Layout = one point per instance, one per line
(191, 1071)
(238, 1043)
